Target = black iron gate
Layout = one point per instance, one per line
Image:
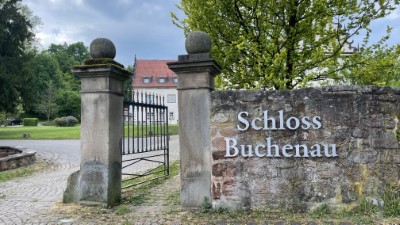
(145, 149)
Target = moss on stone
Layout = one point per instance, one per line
(102, 61)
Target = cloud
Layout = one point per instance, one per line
(136, 27)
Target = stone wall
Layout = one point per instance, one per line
(362, 122)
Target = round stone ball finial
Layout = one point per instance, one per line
(197, 42)
(102, 48)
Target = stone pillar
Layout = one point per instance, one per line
(195, 73)
(99, 177)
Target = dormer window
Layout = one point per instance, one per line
(175, 80)
(162, 80)
(146, 80)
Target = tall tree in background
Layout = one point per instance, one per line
(43, 69)
(16, 32)
(54, 65)
(284, 44)
(68, 55)
(48, 104)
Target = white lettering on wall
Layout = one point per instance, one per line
(273, 150)
(270, 149)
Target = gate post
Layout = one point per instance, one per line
(99, 177)
(195, 73)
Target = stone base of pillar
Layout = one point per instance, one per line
(95, 183)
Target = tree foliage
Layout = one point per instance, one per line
(53, 66)
(16, 32)
(43, 69)
(379, 65)
(48, 105)
(284, 44)
(69, 55)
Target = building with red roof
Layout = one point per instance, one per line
(154, 77)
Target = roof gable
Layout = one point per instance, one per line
(153, 69)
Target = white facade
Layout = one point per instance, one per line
(170, 100)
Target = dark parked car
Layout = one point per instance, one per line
(13, 122)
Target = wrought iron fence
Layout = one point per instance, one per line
(145, 138)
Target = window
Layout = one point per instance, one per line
(162, 80)
(149, 99)
(175, 80)
(146, 80)
(171, 116)
(171, 98)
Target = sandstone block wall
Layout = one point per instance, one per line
(363, 123)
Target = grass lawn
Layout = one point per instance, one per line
(51, 132)
(37, 133)
(155, 130)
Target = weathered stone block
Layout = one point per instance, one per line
(220, 118)
(229, 132)
(383, 139)
(363, 157)
(218, 144)
(224, 169)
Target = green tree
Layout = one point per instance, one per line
(43, 70)
(69, 103)
(48, 105)
(379, 65)
(16, 34)
(69, 55)
(284, 44)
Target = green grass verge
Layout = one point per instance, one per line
(40, 133)
(22, 171)
(137, 195)
(150, 130)
(58, 133)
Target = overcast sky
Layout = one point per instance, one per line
(141, 27)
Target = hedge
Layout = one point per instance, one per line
(30, 122)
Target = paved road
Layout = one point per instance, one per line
(26, 200)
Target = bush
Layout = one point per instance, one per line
(68, 121)
(32, 122)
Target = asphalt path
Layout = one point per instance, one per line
(59, 151)
(68, 151)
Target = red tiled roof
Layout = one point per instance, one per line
(154, 69)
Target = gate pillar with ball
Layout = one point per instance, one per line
(195, 73)
(99, 179)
